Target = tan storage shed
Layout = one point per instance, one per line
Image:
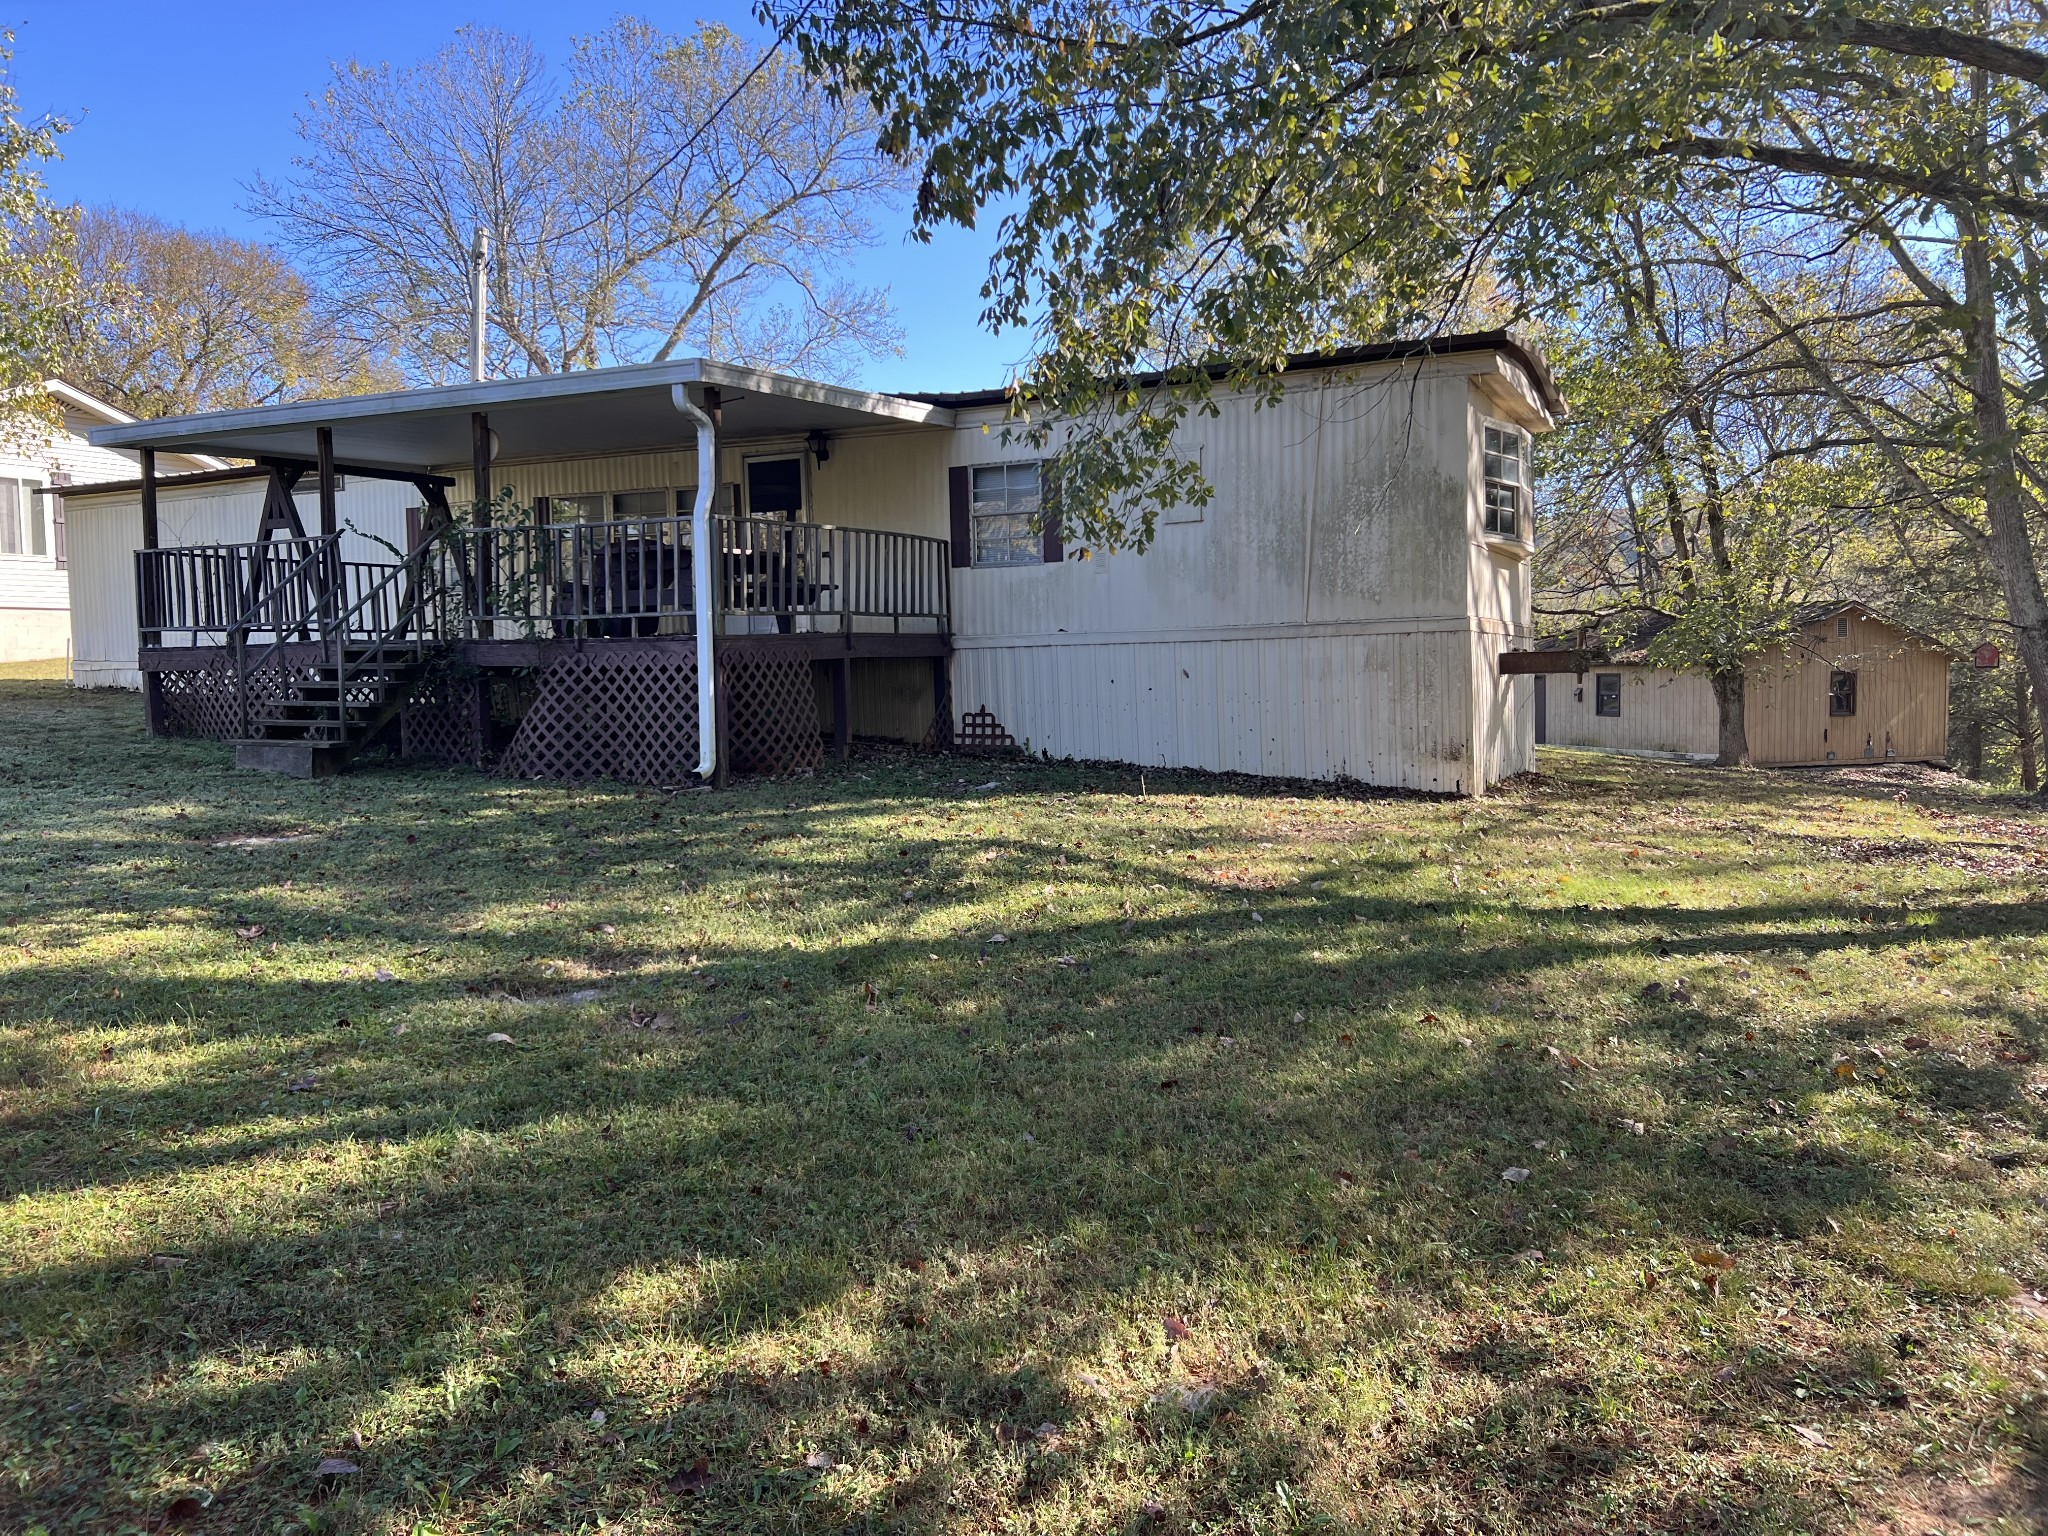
(1849, 686)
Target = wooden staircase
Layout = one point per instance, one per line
(309, 720)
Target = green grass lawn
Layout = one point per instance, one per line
(56, 668)
(945, 1145)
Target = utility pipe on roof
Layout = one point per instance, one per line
(479, 301)
(702, 602)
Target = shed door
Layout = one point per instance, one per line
(1542, 710)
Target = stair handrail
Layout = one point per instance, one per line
(317, 552)
(404, 630)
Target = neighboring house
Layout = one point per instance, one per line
(872, 567)
(1849, 686)
(35, 617)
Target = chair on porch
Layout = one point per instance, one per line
(625, 588)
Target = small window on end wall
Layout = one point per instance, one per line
(1507, 482)
(1607, 694)
(1841, 693)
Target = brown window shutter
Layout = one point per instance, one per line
(414, 534)
(960, 495)
(542, 510)
(1049, 506)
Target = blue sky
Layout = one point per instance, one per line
(179, 106)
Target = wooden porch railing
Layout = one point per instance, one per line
(614, 580)
(635, 576)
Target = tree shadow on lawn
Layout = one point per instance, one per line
(1167, 976)
(698, 1232)
(742, 1183)
(927, 1210)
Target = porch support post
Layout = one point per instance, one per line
(480, 501)
(842, 708)
(721, 772)
(331, 597)
(153, 704)
(149, 528)
(942, 701)
(330, 521)
(146, 569)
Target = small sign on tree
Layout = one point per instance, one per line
(1985, 656)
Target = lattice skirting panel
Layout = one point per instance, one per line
(981, 731)
(620, 711)
(445, 722)
(202, 703)
(771, 711)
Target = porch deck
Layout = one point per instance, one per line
(288, 642)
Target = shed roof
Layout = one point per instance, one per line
(1633, 647)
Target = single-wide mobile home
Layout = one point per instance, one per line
(35, 617)
(687, 567)
(1849, 686)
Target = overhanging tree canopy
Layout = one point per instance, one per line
(1200, 183)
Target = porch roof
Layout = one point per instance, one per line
(555, 415)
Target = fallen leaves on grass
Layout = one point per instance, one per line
(694, 1478)
(1177, 1331)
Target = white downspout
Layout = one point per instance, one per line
(700, 573)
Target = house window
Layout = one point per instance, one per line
(1607, 694)
(23, 529)
(1842, 627)
(1841, 693)
(633, 504)
(1002, 514)
(1507, 482)
(577, 509)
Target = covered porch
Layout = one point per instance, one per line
(717, 609)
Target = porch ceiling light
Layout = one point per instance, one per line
(820, 444)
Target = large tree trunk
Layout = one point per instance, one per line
(1729, 702)
(2010, 546)
(2023, 718)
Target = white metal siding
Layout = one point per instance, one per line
(105, 531)
(1334, 611)
(1661, 711)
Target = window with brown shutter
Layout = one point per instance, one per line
(1841, 693)
(1053, 547)
(960, 507)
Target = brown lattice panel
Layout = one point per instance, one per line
(202, 704)
(619, 711)
(444, 722)
(771, 711)
(981, 731)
